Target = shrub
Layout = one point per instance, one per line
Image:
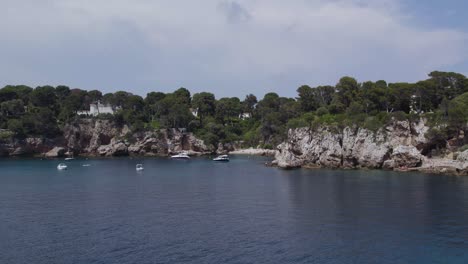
(463, 148)
(267, 146)
(399, 116)
(322, 111)
(437, 136)
(297, 123)
(6, 135)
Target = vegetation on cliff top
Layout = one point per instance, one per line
(443, 98)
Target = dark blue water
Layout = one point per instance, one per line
(238, 212)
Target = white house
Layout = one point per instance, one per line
(194, 112)
(244, 116)
(96, 109)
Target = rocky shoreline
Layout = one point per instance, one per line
(102, 138)
(398, 146)
(254, 152)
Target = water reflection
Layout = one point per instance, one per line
(359, 212)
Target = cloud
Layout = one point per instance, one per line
(227, 47)
(235, 13)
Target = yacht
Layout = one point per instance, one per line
(139, 167)
(62, 166)
(182, 155)
(224, 158)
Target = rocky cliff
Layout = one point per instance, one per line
(397, 146)
(102, 138)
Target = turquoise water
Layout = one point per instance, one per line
(199, 211)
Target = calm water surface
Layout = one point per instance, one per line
(199, 211)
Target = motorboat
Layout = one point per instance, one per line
(70, 156)
(86, 165)
(224, 158)
(62, 166)
(139, 167)
(182, 155)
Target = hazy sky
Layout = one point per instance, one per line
(228, 47)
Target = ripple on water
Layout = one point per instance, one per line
(239, 212)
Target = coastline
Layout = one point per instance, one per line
(439, 166)
(254, 152)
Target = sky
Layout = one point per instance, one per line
(228, 47)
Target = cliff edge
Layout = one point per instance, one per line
(400, 145)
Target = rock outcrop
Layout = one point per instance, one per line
(90, 137)
(463, 157)
(397, 146)
(56, 152)
(394, 146)
(406, 157)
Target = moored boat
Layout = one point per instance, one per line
(139, 167)
(182, 155)
(224, 158)
(62, 166)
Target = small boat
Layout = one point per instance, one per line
(62, 166)
(69, 155)
(86, 165)
(139, 167)
(224, 158)
(182, 155)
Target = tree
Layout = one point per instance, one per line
(269, 103)
(44, 96)
(249, 104)
(11, 92)
(183, 96)
(448, 84)
(347, 90)
(154, 97)
(12, 108)
(108, 98)
(307, 98)
(458, 112)
(95, 96)
(62, 92)
(205, 104)
(152, 103)
(227, 109)
(324, 95)
(120, 98)
(134, 102)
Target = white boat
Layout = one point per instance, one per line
(139, 167)
(224, 158)
(86, 165)
(69, 155)
(182, 155)
(62, 166)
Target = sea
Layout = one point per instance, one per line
(200, 211)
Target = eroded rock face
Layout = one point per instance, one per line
(354, 147)
(463, 157)
(56, 152)
(103, 138)
(406, 157)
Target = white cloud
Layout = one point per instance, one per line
(230, 47)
